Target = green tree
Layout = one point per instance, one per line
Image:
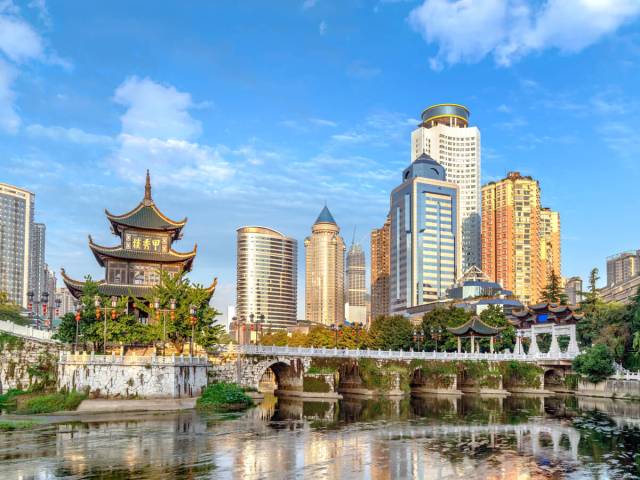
(590, 297)
(596, 363)
(185, 294)
(391, 333)
(553, 292)
(10, 312)
(320, 336)
(278, 338)
(436, 322)
(90, 328)
(352, 336)
(494, 316)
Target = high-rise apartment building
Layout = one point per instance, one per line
(37, 267)
(380, 269)
(623, 267)
(67, 301)
(16, 222)
(266, 278)
(550, 243)
(356, 294)
(520, 240)
(573, 290)
(445, 135)
(425, 233)
(324, 286)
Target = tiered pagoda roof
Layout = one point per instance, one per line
(475, 327)
(146, 216)
(149, 237)
(101, 253)
(545, 313)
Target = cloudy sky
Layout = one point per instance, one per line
(249, 112)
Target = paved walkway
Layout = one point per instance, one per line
(147, 405)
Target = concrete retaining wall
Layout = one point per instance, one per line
(610, 388)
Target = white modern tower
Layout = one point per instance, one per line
(445, 136)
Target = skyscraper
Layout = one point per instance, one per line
(356, 295)
(37, 267)
(267, 272)
(16, 221)
(380, 269)
(550, 243)
(445, 135)
(520, 240)
(622, 267)
(324, 286)
(425, 233)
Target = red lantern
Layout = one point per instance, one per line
(30, 306)
(113, 314)
(44, 309)
(77, 317)
(57, 312)
(97, 314)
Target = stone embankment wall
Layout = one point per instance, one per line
(610, 388)
(20, 358)
(131, 376)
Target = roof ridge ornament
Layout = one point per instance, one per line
(147, 190)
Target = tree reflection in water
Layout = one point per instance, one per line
(435, 437)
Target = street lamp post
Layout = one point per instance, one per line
(78, 317)
(163, 311)
(436, 335)
(98, 304)
(194, 319)
(418, 338)
(44, 301)
(334, 327)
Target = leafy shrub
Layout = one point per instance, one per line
(10, 397)
(315, 384)
(11, 425)
(325, 370)
(571, 381)
(54, 402)
(596, 363)
(224, 397)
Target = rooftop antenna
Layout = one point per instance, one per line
(353, 240)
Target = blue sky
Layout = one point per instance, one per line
(258, 113)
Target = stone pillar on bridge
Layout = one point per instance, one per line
(554, 349)
(518, 350)
(533, 347)
(573, 348)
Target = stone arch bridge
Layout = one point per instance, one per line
(329, 372)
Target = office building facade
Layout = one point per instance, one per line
(573, 289)
(267, 271)
(380, 269)
(324, 276)
(16, 223)
(424, 234)
(356, 290)
(445, 135)
(623, 267)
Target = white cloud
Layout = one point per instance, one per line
(9, 119)
(73, 135)
(18, 40)
(307, 4)
(155, 110)
(322, 28)
(322, 122)
(469, 30)
(158, 132)
(172, 161)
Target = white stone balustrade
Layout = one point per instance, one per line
(26, 331)
(395, 354)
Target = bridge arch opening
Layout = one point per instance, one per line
(554, 379)
(280, 376)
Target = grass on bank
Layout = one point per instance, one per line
(13, 425)
(49, 403)
(224, 397)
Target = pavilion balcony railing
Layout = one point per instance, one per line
(90, 358)
(266, 350)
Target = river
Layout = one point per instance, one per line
(433, 438)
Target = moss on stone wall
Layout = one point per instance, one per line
(433, 373)
(10, 342)
(521, 374)
(315, 384)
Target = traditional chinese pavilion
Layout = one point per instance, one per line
(472, 329)
(545, 313)
(146, 249)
